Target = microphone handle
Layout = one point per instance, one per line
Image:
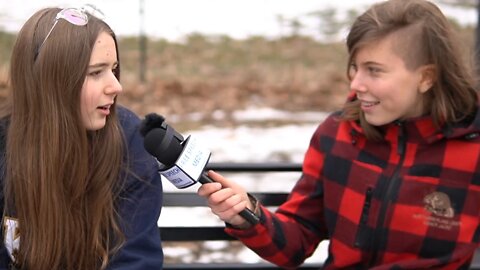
(246, 213)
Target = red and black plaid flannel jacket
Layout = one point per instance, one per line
(411, 201)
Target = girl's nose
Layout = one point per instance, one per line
(114, 86)
(357, 83)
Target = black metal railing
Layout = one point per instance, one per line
(195, 233)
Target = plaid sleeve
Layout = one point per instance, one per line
(291, 234)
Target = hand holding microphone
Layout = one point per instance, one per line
(226, 198)
(182, 160)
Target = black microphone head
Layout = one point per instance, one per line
(151, 121)
(163, 144)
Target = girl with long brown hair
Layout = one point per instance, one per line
(79, 190)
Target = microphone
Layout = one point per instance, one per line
(182, 161)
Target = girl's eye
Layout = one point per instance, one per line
(95, 73)
(373, 70)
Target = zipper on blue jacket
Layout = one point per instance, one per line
(392, 187)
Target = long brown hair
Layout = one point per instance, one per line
(422, 35)
(61, 180)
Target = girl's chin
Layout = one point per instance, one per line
(377, 121)
(96, 124)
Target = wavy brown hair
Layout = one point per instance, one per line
(422, 36)
(61, 180)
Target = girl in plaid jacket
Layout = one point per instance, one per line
(393, 179)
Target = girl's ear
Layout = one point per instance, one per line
(428, 78)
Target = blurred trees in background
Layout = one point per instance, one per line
(470, 4)
(301, 69)
(331, 24)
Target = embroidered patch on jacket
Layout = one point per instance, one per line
(439, 204)
(12, 236)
